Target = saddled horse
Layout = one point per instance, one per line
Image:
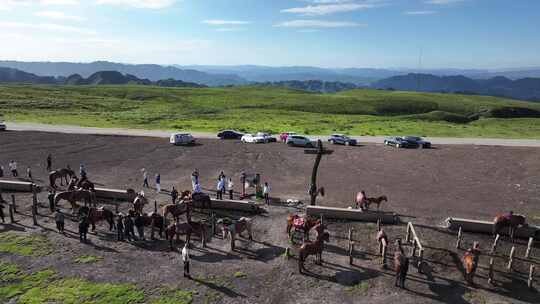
(230, 231)
(512, 221)
(177, 210)
(177, 228)
(139, 202)
(470, 263)
(198, 199)
(376, 200)
(62, 174)
(309, 248)
(154, 220)
(305, 226)
(96, 215)
(401, 265)
(75, 196)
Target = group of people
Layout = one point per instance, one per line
(126, 225)
(224, 186)
(145, 180)
(14, 172)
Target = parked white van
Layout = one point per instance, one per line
(182, 139)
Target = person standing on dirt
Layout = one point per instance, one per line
(120, 227)
(266, 193)
(83, 228)
(220, 188)
(139, 224)
(59, 219)
(50, 197)
(1, 171)
(230, 187)
(158, 183)
(82, 170)
(29, 173)
(128, 228)
(49, 162)
(145, 178)
(174, 195)
(186, 260)
(13, 168)
(194, 178)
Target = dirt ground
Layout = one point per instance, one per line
(423, 186)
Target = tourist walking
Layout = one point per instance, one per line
(50, 197)
(174, 195)
(120, 227)
(230, 187)
(186, 260)
(194, 178)
(29, 173)
(83, 228)
(128, 228)
(49, 162)
(82, 170)
(158, 183)
(59, 219)
(220, 188)
(145, 178)
(266, 193)
(13, 168)
(139, 224)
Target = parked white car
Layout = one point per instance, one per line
(267, 136)
(182, 139)
(299, 141)
(250, 138)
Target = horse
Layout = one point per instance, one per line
(139, 202)
(187, 229)
(86, 184)
(75, 196)
(198, 199)
(154, 220)
(401, 265)
(62, 174)
(375, 200)
(513, 221)
(382, 238)
(307, 225)
(310, 248)
(236, 228)
(177, 209)
(96, 215)
(470, 263)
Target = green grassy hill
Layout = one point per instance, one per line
(358, 112)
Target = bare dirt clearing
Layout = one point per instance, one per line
(424, 186)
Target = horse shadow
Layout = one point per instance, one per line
(11, 227)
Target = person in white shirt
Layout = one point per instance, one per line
(230, 187)
(185, 260)
(266, 193)
(13, 168)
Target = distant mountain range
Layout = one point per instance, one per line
(317, 86)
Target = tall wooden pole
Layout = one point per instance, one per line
(313, 187)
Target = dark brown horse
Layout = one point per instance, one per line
(62, 174)
(198, 200)
(401, 265)
(375, 200)
(75, 196)
(96, 215)
(512, 221)
(470, 263)
(309, 248)
(306, 225)
(177, 210)
(154, 220)
(176, 229)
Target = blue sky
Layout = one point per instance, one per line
(328, 33)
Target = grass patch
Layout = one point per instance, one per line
(175, 297)
(26, 245)
(88, 259)
(240, 275)
(474, 298)
(360, 288)
(8, 272)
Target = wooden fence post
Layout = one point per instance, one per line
(287, 252)
(511, 258)
(10, 207)
(529, 248)
(351, 253)
(383, 255)
(490, 273)
(155, 206)
(408, 235)
(34, 207)
(531, 276)
(13, 203)
(459, 238)
(494, 246)
(350, 238)
(420, 259)
(378, 224)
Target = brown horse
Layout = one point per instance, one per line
(139, 202)
(401, 265)
(310, 248)
(154, 220)
(96, 215)
(375, 200)
(236, 228)
(470, 263)
(177, 210)
(199, 200)
(62, 174)
(512, 221)
(75, 196)
(187, 229)
(308, 224)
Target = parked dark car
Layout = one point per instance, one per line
(400, 142)
(340, 139)
(229, 134)
(419, 141)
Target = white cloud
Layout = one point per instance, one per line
(48, 27)
(151, 4)
(7, 5)
(443, 2)
(317, 24)
(230, 29)
(59, 2)
(415, 13)
(326, 9)
(58, 16)
(225, 22)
